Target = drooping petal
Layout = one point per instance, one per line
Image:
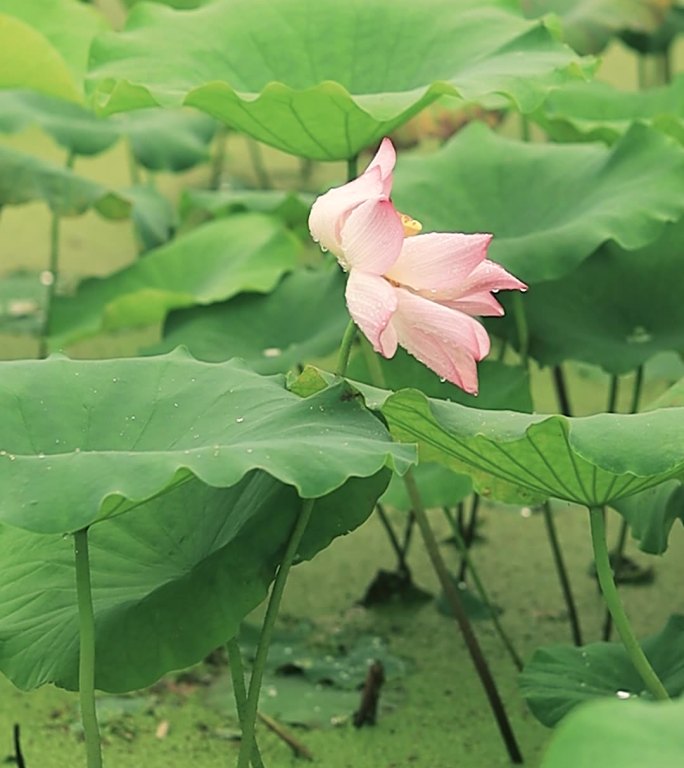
(446, 340)
(372, 302)
(437, 264)
(331, 210)
(490, 276)
(372, 237)
(481, 304)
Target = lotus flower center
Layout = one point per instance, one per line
(411, 226)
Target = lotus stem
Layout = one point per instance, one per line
(219, 156)
(402, 565)
(561, 570)
(479, 585)
(619, 550)
(252, 703)
(612, 598)
(561, 390)
(237, 675)
(345, 349)
(257, 158)
(86, 658)
(451, 593)
(52, 274)
(522, 328)
(352, 167)
(470, 533)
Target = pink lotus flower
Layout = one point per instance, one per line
(416, 291)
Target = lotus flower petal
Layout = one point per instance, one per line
(372, 302)
(438, 264)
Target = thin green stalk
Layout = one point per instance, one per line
(470, 533)
(524, 127)
(257, 158)
(86, 656)
(619, 551)
(613, 393)
(563, 578)
(654, 69)
(219, 156)
(352, 167)
(465, 553)
(452, 595)
(267, 632)
(561, 390)
(402, 565)
(52, 274)
(612, 599)
(636, 389)
(133, 167)
(521, 325)
(345, 349)
(237, 674)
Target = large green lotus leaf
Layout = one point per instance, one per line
(630, 734)
(617, 310)
(171, 581)
(652, 513)
(68, 27)
(292, 207)
(85, 440)
(588, 25)
(559, 678)
(502, 387)
(662, 38)
(172, 3)
(303, 318)
(168, 140)
(160, 139)
(25, 178)
(27, 60)
(70, 125)
(598, 112)
(549, 205)
(246, 252)
(522, 458)
(326, 79)
(154, 217)
(438, 486)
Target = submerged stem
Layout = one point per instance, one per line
(267, 632)
(86, 657)
(612, 598)
(237, 675)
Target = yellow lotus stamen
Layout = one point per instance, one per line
(411, 226)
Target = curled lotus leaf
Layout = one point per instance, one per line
(83, 441)
(326, 79)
